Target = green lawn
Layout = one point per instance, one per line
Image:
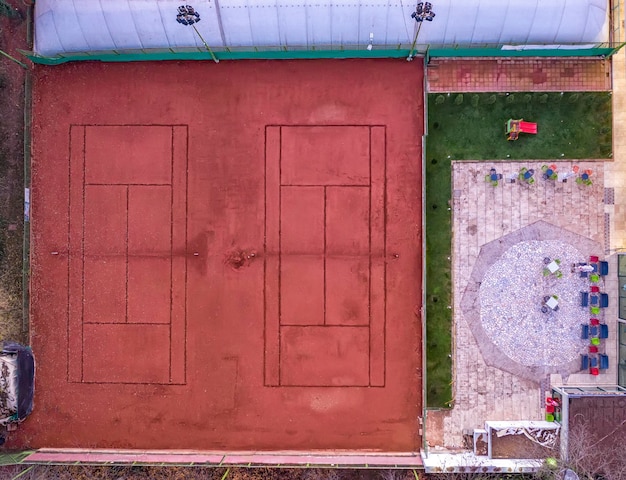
(572, 125)
(471, 127)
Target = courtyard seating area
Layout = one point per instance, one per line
(551, 172)
(515, 251)
(579, 199)
(596, 331)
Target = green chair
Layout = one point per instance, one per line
(594, 278)
(489, 180)
(549, 417)
(595, 310)
(595, 341)
(544, 169)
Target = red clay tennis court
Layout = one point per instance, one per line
(227, 256)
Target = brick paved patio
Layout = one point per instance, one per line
(518, 75)
(481, 214)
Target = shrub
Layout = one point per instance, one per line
(475, 100)
(543, 98)
(510, 98)
(439, 99)
(573, 98)
(605, 141)
(491, 99)
(528, 98)
(458, 100)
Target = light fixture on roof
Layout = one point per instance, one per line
(187, 15)
(423, 12)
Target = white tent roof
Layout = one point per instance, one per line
(67, 26)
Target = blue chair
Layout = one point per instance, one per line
(594, 300)
(604, 362)
(584, 362)
(604, 300)
(604, 331)
(604, 268)
(594, 331)
(585, 331)
(593, 362)
(584, 299)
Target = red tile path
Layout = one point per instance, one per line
(360, 460)
(517, 75)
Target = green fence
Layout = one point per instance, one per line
(329, 51)
(265, 53)
(491, 51)
(13, 458)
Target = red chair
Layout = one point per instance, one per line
(594, 259)
(594, 289)
(549, 408)
(594, 321)
(549, 401)
(593, 349)
(594, 371)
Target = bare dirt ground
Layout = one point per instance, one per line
(279, 363)
(13, 35)
(12, 75)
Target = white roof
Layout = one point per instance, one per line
(66, 26)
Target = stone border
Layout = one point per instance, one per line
(470, 301)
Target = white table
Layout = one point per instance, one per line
(563, 176)
(553, 266)
(552, 303)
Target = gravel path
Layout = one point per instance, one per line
(511, 296)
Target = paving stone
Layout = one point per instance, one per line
(484, 392)
(518, 75)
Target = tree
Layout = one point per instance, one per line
(591, 455)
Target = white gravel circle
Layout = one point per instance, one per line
(511, 296)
